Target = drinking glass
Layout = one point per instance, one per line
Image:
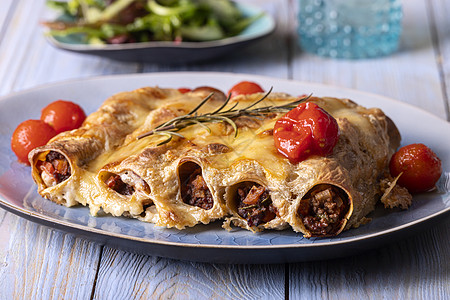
(350, 28)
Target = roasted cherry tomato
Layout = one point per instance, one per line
(29, 135)
(218, 94)
(245, 88)
(184, 90)
(419, 165)
(208, 89)
(63, 115)
(304, 131)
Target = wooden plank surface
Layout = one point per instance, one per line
(439, 11)
(37, 262)
(410, 75)
(413, 268)
(7, 7)
(27, 60)
(126, 276)
(41, 263)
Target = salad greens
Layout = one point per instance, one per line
(131, 21)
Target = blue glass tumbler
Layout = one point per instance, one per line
(350, 28)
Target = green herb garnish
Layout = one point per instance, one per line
(221, 114)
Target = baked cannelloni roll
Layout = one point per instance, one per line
(253, 199)
(333, 193)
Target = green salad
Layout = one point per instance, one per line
(134, 21)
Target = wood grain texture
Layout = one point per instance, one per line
(124, 275)
(27, 60)
(40, 263)
(414, 268)
(439, 11)
(410, 75)
(5, 11)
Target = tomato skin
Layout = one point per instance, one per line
(419, 165)
(208, 89)
(245, 88)
(218, 94)
(29, 135)
(184, 90)
(304, 131)
(63, 115)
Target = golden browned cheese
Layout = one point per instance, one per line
(206, 173)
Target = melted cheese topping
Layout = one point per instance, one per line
(249, 144)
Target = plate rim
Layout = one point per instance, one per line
(48, 220)
(218, 73)
(35, 216)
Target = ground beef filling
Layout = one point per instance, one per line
(115, 182)
(255, 204)
(323, 209)
(55, 167)
(195, 192)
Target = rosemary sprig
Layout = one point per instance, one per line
(221, 114)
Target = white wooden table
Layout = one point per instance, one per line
(38, 262)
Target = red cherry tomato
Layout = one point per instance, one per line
(218, 94)
(208, 89)
(63, 115)
(184, 90)
(245, 88)
(304, 131)
(419, 165)
(29, 135)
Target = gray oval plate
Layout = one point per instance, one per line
(211, 243)
(171, 52)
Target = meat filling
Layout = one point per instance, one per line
(55, 169)
(195, 192)
(323, 210)
(115, 182)
(255, 204)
